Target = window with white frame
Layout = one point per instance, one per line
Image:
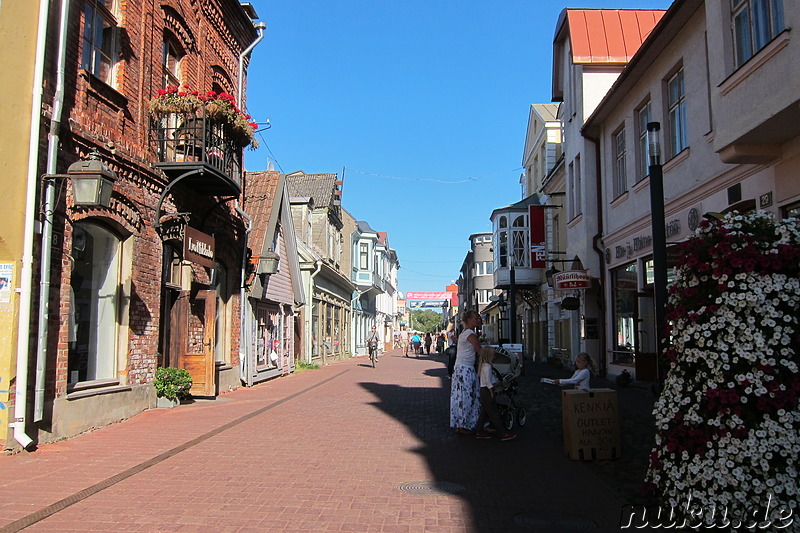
(642, 154)
(755, 23)
(100, 35)
(676, 100)
(219, 282)
(363, 256)
(519, 239)
(501, 251)
(620, 178)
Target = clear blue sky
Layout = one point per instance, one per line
(424, 103)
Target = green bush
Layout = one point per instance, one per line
(173, 383)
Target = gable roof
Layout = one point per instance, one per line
(322, 188)
(259, 203)
(606, 35)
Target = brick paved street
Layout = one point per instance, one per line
(342, 448)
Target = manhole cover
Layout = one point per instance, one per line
(554, 522)
(431, 488)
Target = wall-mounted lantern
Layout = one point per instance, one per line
(92, 181)
(268, 263)
(549, 275)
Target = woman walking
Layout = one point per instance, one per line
(464, 399)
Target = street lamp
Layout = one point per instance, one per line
(92, 181)
(548, 275)
(657, 220)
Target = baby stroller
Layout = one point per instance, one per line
(506, 368)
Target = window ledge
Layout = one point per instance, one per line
(616, 202)
(104, 91)
(754, 63)
(85, 389)
(575, 220)
(641, 184)
(682, 156)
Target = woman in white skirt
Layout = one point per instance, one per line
(464, 396)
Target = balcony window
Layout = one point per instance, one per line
(755, 23)
(502, 243)
(519, 235)
(363, 256)
(99, 46)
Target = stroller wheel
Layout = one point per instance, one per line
(522, 416)
(508, 419)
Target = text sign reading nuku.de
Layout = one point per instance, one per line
(198, 247)
(572, 279)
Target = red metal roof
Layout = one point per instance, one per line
(609, 35)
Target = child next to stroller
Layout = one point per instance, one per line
(488, 405)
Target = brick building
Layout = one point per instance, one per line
(148, 277)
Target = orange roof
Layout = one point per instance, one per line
(609, 35)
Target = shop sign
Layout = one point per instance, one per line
(537, 236)
(198, 247)
(572, 279)
(570, 303)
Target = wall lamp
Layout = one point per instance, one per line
(549, 275)
(268, 263)
(92, 181)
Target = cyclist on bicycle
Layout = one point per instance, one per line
(372, 343)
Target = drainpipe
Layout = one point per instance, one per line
(244, 310)
(26, 272)
(595, 244)
(309, 318)
(245, 315)
(47, 209)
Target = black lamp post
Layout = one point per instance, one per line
(659, 238)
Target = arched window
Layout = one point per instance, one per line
(519, 241)
(94, 301)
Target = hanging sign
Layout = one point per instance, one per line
(198, 247)
(537, 234)
(572, 279)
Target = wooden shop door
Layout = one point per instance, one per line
(194, 331)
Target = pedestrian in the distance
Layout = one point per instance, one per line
(439, 343)
(416, 342)
(464, 402)
(488, 405)
(428, 342)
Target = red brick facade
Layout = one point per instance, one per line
(112, 119)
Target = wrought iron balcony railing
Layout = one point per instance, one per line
(187, 141)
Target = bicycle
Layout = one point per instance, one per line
(373, 353)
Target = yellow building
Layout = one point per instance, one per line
(18, 39)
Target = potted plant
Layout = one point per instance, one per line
(172, 385)
(217, 107)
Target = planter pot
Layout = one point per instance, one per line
(164, 403)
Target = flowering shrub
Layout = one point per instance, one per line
(173, 383)
(728, 419)
(219, 107)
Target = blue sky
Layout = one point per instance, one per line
(423, 103)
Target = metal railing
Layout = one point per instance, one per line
(193, 138)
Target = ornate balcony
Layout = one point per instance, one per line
(201, 152)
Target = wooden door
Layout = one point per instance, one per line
(195, 339)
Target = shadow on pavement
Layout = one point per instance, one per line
(501, 481)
